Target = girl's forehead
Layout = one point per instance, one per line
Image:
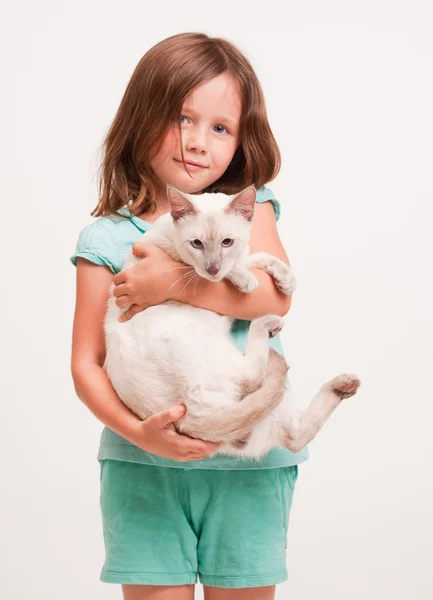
(217, 97)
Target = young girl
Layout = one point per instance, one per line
(193, 116)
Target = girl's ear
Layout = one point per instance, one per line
(179, 205)
(243, 203)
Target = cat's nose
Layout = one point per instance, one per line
(213, 270)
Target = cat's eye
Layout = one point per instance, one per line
(227, 243)
(197, 244)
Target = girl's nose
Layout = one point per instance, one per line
(196, 141)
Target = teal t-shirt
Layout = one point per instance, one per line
(107, 241)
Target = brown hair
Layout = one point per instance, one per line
(153, 102)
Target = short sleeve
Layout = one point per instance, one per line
(97, 244)
(264, 194)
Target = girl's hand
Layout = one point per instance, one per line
(157, 435)
(149, 282)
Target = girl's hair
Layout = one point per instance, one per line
(153, 102)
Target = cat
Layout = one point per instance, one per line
(175, 353)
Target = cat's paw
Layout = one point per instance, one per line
(344, 386)
(272, 323)
(283, 277)
(250, 284)
(287, 286)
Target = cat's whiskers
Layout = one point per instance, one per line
(197, 281)
(174, 268)
(185, 275)
(191, 272)
(189, 281)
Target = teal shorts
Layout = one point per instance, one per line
(165, 526)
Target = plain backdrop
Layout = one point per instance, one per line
(349, 93)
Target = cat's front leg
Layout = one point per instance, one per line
(279, 270)
(243, 279)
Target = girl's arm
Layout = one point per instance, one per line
(133, 289)
(94, 388)
(88, 351)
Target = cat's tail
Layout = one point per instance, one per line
(234, 422)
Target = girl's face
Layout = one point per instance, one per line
(210, 135)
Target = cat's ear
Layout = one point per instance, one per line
(243, 203)
(179, 205)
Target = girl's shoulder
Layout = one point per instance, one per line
(264, 194)
(106, 240)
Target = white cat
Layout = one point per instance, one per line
(175, 352)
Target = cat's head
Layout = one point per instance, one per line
(212, 230)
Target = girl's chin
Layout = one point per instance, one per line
(189, 187)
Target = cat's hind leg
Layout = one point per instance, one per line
(302, 427)
(257, 351)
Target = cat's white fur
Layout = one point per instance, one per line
(176, 352)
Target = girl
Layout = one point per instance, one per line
(193, 116)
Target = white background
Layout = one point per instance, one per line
(349, 94)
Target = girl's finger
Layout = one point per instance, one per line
(201, 448)
(198, 443)
(135, 308)
(198, 457)
(123, 301)
(191, 447)
(119, 278)
(120, 290)
(128, 314)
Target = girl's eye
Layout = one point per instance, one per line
(227, 243)
(197, 244)
(223, 126)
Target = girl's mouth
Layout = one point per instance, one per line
(190, 165)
